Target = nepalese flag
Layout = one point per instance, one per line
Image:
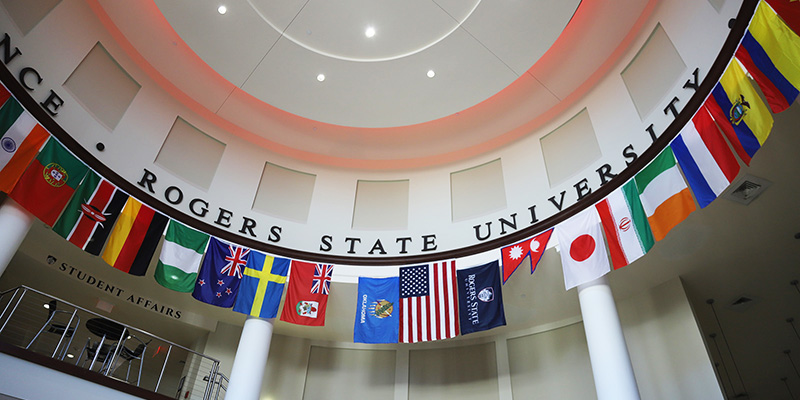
(133, 241)
(262, 286)
(583, 252)
(625, 224)
(221, 273)
(91, 213)
(740, 112)
(21, 137)
(665, 197)
(307, 293)
(428, 302)
(49, 181)
(707, 162)
(515, 254)
(376, 313)
(480, 299)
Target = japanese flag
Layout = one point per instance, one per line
(583, 252)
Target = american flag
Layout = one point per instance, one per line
(428, 305)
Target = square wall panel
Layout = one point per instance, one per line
(350, 374)
(381, 205)
(464, 372)
(190, 154)
(477, 191)
(285, 193)
(27, 13)
(570, 148)
(653, 71)
(102, 86)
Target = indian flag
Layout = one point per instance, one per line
(21, 137)
(180, 257)
(625, 224)
(665, 197)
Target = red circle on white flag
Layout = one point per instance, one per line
(582, 248)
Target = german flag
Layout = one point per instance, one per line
(135, 237)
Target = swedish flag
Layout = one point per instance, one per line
(262, 285)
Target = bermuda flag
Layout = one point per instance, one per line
(625, 224)
(49, 181)
(21, 137)
(704, 157)
(665, 197)
(307, 293)
(180, 257)
(515, 254)
(583, 253)
(428, 302)
(135, 237)
(91, 213)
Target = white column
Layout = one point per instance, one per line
(250, 362)
(15, 222)
(611, 364)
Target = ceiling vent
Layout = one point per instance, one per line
(741, 303)
(745, 189)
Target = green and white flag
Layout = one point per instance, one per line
(180, 257)
(625, 223)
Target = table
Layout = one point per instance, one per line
(105, 328)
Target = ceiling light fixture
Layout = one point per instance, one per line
(222, 9)
(70, 355)
(370, 32)
(321, 77)
(431, 74)
(46, 305)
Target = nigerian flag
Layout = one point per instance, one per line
(180, 257)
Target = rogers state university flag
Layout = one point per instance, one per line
(307, 293)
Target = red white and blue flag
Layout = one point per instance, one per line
(428, 302)
(322, 279)
(307, 293)
(221, 273)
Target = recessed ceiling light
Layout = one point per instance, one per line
(47, 306)
(70, 355)
(370, 32)
(222, 9)
(431, 74)
(321, 77)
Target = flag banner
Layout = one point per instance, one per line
(4, 94)
(789, 12)
(707, 162)
(740, 112)
(134, 239)
(376, 318)
(480, 301)
(625, 224)
(221, 273)
(583, 252)
(49, 181)
(91, 213)
(515, 254)
(665, 197)
(428, 302)
(779, 92)
(307, 293)
(262, 285)
(21, 137)
(180, 257)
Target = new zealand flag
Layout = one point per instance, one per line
(480, 299)
(219, 276)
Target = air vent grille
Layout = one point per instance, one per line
(745, 189)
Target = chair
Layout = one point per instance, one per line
(65, 330)
(135, 354)
(103, 353)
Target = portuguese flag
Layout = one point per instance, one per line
(135, 237)
(48, 183)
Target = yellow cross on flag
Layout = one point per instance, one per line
(262, 285)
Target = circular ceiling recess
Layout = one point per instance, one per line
(385, 63)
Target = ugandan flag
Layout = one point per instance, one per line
(91, 213)
(49, 181)
(21, 137)
(135, 237)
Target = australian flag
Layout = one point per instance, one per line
(480, 299)
(219, 276)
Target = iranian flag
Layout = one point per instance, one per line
(625, 224)
(180, 257)
(49, 181)
(665, 197)
(21, 137)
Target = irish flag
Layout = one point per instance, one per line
(21, 137)
(625, 224)
(665, 197)
(180, 257)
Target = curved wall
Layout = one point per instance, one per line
(534, 179)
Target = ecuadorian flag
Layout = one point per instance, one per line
(740, 112)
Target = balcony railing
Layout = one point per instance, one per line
(51, 326)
